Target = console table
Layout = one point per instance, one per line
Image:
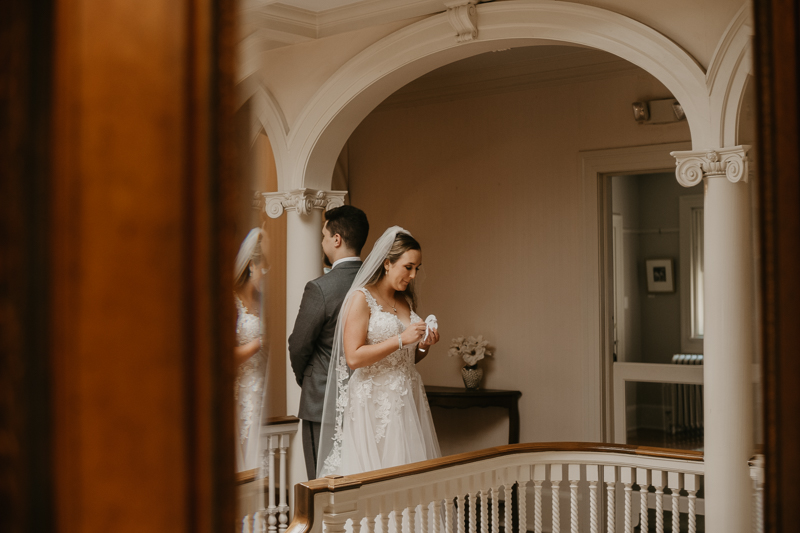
(461, 398)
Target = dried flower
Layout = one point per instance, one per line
(471, 349)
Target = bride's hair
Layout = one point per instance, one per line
(255, 257)
(403, 242)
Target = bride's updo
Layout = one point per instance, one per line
(403, 242)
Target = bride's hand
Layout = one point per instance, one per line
(413, 333)
(433, 338)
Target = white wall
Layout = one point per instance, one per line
(491, 188)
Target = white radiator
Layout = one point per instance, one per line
(686, 401)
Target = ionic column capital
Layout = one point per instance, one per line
(731, 163)
(304, 201)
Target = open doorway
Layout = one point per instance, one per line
(656, 309)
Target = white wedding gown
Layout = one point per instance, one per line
(248, 391)
(387, 420)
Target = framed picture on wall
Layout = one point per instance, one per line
(659, 275)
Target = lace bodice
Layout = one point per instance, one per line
(384, 325)
(248, 389)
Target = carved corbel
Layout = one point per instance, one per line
(304, 201)
(731, 163)
(463, 17)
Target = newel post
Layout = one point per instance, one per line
(729, 324)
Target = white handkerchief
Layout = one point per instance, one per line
(430, 323)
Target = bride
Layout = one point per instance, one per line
(376, 414)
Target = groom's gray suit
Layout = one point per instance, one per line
(310, 349)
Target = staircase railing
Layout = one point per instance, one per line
(581, 485)
(262, 496)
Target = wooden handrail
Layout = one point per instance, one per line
(278, 420)
(304, 492)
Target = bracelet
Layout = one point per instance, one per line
(400, 341)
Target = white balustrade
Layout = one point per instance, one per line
(425, 493)
(270, 483)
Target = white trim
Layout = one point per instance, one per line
(730, 67)
(686, 204)
(594, 165)
(346, 18)
(648, 373)
(348, 96)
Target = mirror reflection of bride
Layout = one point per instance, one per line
(249, 354)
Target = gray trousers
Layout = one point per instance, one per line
(311, 446)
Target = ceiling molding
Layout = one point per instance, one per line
(346, 18)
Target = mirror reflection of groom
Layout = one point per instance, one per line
(343, 235)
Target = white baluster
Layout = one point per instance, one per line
(539, 475)
(384, 521)
(397, 515)
(434, 516)
(496, 509)
(369, 519)
(675, 487)
(334, 523)
(593, 476)
(658, 483)
(246, 524)
(757, 475)
(460, 516)
(484, 511)
(522, 506)
(556, 475)
(508, 520)
(626, 477)
(259, 524)
(643, 480)
(574, 472)
(424, 514)
(473, 511)
(610, 479)
(283, 509)
(272, 510)
(448, 515)
(691, 486)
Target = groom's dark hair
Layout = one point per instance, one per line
(351, 224)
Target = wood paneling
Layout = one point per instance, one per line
(140, 339)
(778, 88)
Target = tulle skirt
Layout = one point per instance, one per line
(387, 422)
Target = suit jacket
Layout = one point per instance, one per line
(312, 338)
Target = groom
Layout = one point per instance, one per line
(343, 235)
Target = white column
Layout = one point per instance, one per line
(303, 209)
(729, 327)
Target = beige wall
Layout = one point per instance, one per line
(294, 73)
(491, 188)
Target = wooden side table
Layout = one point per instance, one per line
(461, 398)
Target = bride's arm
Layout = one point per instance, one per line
(356, 350)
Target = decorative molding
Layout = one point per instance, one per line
(463, 17)
(731, 163)
(305, 23)
(301, 200)
(368, 78)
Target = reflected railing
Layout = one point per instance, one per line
(263, 496)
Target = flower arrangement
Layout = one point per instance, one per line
(471, 349)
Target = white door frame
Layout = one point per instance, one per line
(595, 167)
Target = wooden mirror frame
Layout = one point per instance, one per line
(116, 223)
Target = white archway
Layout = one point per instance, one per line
(362, 83)
(731, 66)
